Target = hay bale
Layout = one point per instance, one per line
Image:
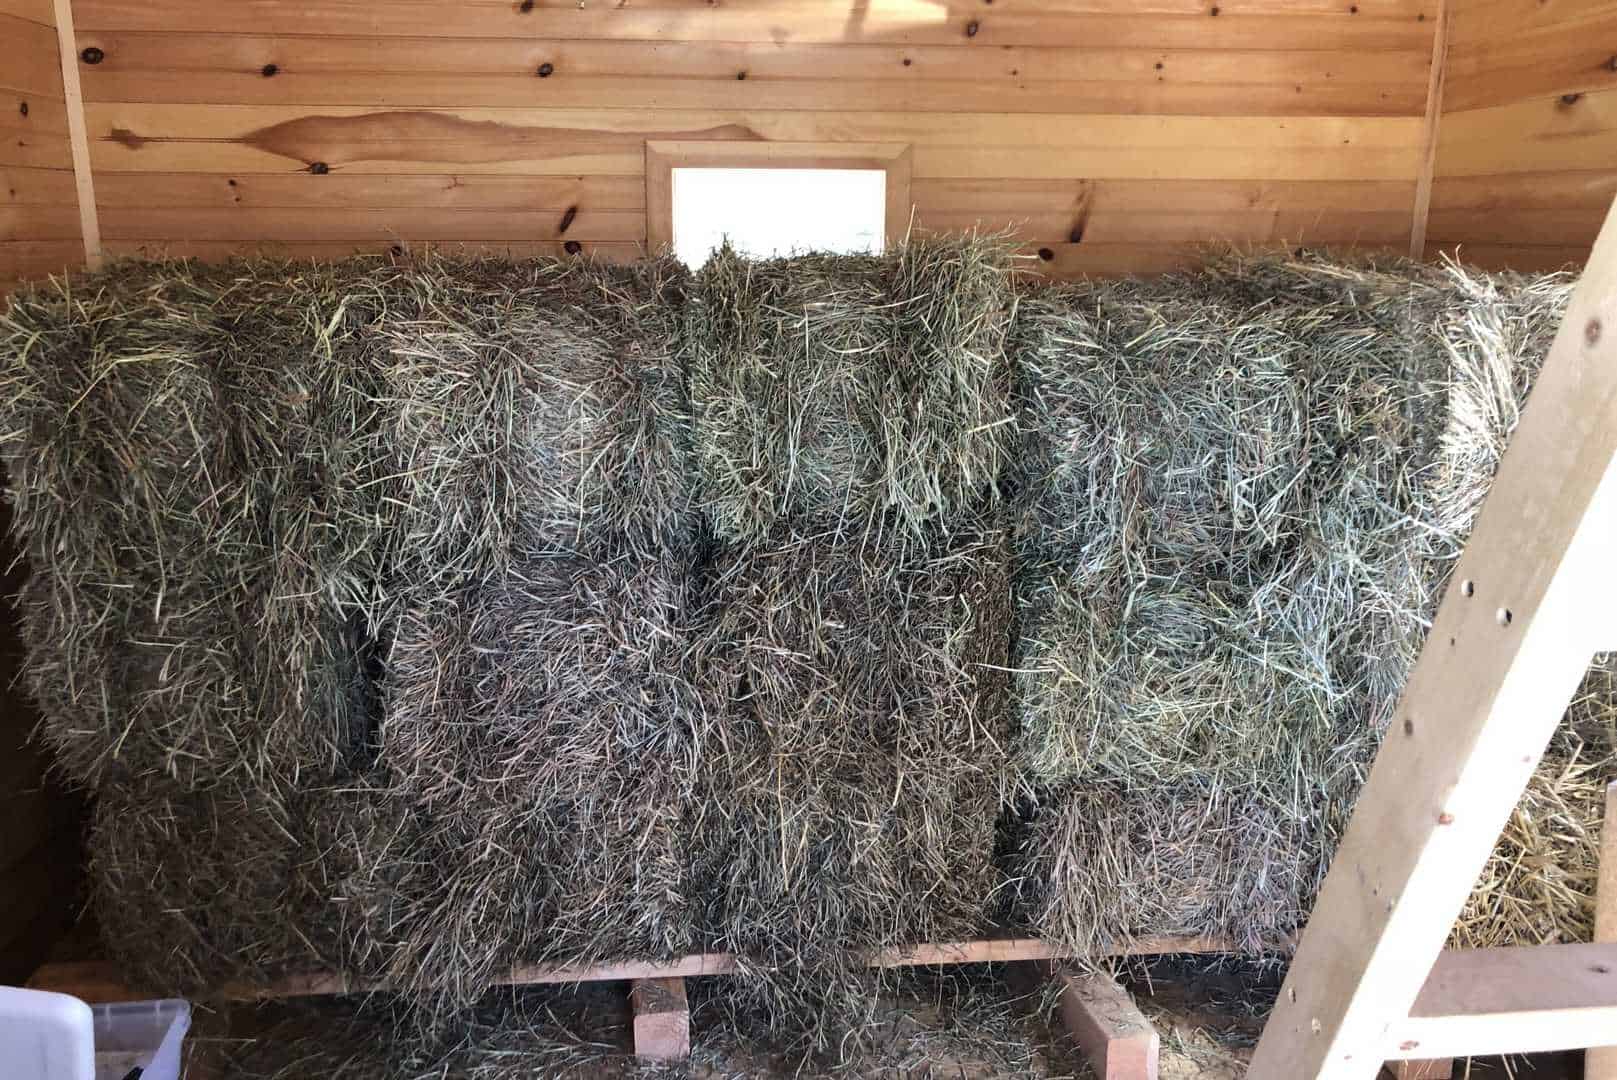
(835, 388)
(538, 403)
(1243, 492)
(192, 483)
(849, 789)
(558, 677)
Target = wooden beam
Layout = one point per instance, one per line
(662, 1019)
(1114, 1035)
(1434, 118)
(993, 950)
(78, 132)
(1600, 1063)
(1511, 640)
(1525, 999)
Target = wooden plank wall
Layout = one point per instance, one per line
(1109, 134)
(39, 217)
(1527, 149)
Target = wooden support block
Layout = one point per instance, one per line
(662, 1019)
(1600, 1063)
(1114, 1035)
(1421, 1069)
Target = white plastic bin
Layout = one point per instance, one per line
(46, 1036)
(144, 1035)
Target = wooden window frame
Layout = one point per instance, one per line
(664, 156)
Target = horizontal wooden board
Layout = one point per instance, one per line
(410, 72)
(1009, 197)
(1544, 64)
(965, 25)
(1586, 189)
(214, 251)
(1540, 135)
(29, 59)
(191, 138)
(1481, 24)
(1521, 257)
(39, 222)
(1376, 228)
(360, 191)
(621, 92)
(1069, 261)
(24, 259)
(249, 224)
(336, 58)
(39, 11)
(37, 187)
(34, 151)
(31, 113)
(1571, 227)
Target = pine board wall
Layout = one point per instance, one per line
(1527, 147)
(39, 217)
(1110, 134)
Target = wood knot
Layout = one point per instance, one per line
(907, 61)
(567, 220)
(1213, 10)
(269, 71)
(1568, 100)
(1591, 332)
(1046, 254)
(972, 27)
(572, 247)
(23, 108)
(525, 7)
(319, 168)
(92, 55)
(741, 76)
(546, 70)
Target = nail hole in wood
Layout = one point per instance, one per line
(1409, 725)
(572, 247)
(269, 71)
(908, 61)
(1292, 993)
(1503, 615)
(741, 76)
(1591, 332)
(546, 70)
(23, 108)
(525, 7)
(1569, 100)
(92, 55)
(1468, 587)
(972, 27)
(1214, 10)
(319, 168)
(1046, 254)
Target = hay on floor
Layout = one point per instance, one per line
(846, 388)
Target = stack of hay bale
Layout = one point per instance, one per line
(415, 622)
(852, 423)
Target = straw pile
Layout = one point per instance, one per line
(1243, 492)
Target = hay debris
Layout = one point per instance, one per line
(844, 388)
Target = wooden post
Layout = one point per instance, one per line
(1510, 643)
(662, 1019)
(1600, 1063)
(1114, 1035)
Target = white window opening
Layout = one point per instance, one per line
(780, 211)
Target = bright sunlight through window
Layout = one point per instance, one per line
(768, 212)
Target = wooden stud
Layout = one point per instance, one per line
(78, 132)
(662, 1019)
(1434, 117)
(1600, 1063)
(1114, 1035)
(1511, 640)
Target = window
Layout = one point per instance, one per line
(774, 198)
